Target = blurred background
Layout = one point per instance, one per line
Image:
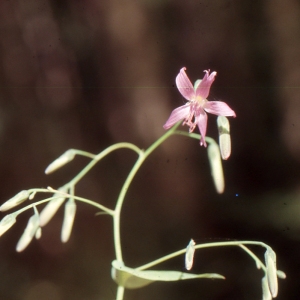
(86, 74)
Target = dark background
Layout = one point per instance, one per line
(86, 74)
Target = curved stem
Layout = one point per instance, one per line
(201, 246)
(98, 157)
(120, 201)
(90, 202)
(195, 136)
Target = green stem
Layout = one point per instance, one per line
(259, 263)
(90, 202)
(201, 246)
(120, 293)
(98, 157)
(84, 153)
(195, 136)
(120, 201)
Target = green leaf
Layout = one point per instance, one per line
(133, 278)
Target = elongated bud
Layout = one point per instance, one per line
(224, 136)
(70, 211)
(7, 222)
(215, 162)
(271, 272)
(52, 207)
(265, 289)
(15, 200)
(61, 161)
(29, 232)
(38, 233)
(189, 254)
(281, 274)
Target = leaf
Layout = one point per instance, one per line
(133, 278)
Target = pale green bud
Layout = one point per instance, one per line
(265, 289)
(15, 200)
(69, 216)
(215, 162)
(38, 233)
(7, 222)
(29, 232)
(52, 207)
(189, 255)
(224, 136)
(271, 271)
(281, 274)
(61, 161)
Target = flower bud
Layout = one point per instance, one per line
(61, 161)
(281, 274)
(224, 136)
(7, 222)
(70, 211)
(216, 167)
(271, 271)
(15, 200)
(189, 255)
(29, 232)
(265, 289)
(51, 208)
(38, 233)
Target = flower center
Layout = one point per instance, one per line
(201, 101)
(196, 105)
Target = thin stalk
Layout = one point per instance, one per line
(201, 246)
(120, 201)
(98, 157)
(120, 293)
(195, 136)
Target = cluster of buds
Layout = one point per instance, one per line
(38, 220)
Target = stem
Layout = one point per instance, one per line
(120, 201)
(84, 153)
(90, 202)
(201, 246)
(98, 157)
(120, 293)
(259, 263)
(195, 136)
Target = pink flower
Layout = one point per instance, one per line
(197, 104)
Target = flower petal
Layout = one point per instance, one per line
(204, 86)
(219, 108)
(177, 114)
(184, 85)
(201, 120)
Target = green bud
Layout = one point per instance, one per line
(15, 201)
(271, 271)
(61, 161)
(69, 216)
(224, 137)
(29, 232)
(189, 255)
(7, 222)
(215, 162)
(52, 207)
(265, 289)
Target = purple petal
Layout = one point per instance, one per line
(177, 114)
(204, 86)
(184, 85)
(219, 108)
(201, 120)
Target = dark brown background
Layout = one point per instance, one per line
(86, 74)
